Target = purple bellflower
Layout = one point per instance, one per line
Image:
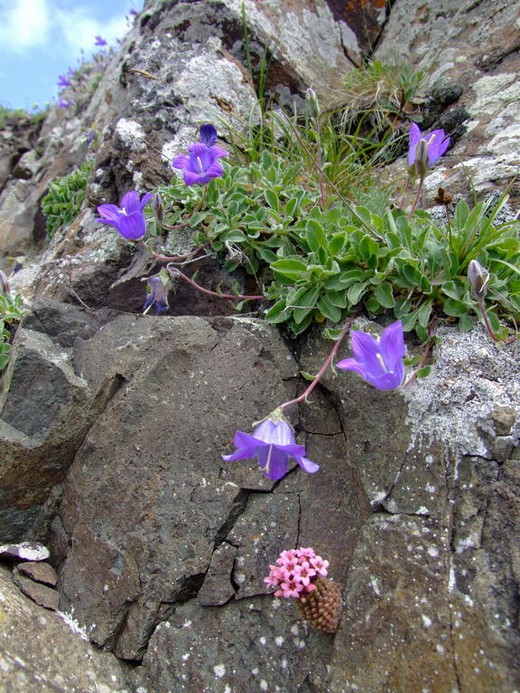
(379, 361)
(100, 41)
(426, 150)
(65, 103)
(201, 164)
(272, 443)
(157, 293)
(63, 81)
(128, 219)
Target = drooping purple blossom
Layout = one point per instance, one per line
(128, 219)
(65, 103)
(379, 361)
(63, 81)
(201, 164)
(273, 444)
(426, 150)
(100, 41)
(157, 293)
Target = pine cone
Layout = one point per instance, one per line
(322, 607)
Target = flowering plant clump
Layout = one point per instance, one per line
(273, 444)
(379, 361)
(128, 219)
(301, 575)
(295, 573)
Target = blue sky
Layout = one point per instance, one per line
(41, 39)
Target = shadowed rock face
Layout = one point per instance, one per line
(113, 424)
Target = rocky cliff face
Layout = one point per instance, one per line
(113, 423)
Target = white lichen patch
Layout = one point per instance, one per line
(74, 625)
(427, 622)
(131, 135)
(27, 551)
(470, 377)
(219, 670)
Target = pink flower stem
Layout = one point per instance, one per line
(326, 364)
(417, 196)
(487, 325)
(234, 297)
(176, 258)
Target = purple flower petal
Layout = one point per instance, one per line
(109, 211)
(436, 141)
(208, 134)
(272, 443)
(273, 462)
(379, 362)
(201, 164)
(128, 219)
(132, 226)
(307, 465)
(180, 161)
(279, 433)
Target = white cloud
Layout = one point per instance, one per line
(24, 23)
(78, 29)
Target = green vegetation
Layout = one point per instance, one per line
(303, 213)
(62, 203)
(322, 263)
(8, 114)
(11, 312)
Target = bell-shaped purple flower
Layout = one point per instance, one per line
(99, 41)
(157, 293)
(379, 361)
(426, 150)
(272, 443)
(63, 81)
(201, 164)
(128, 219)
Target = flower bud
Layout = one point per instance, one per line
(312, 100)
(421, 158)
(157, 207)
(478, 278)
(4, 284)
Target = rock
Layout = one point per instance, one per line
(250, 644)
(41, 594)
(183, 396)
(33, 642)
(44, 417)
(435, 573)
(25, 551)
(114, 424)
(448, 42)
(39, 572)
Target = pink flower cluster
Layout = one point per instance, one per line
(295, 572)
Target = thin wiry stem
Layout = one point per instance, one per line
(304, 396)
(175, 272)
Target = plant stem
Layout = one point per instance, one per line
(323, 196)
(324, 367)
(417, 195)
(234, 297)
